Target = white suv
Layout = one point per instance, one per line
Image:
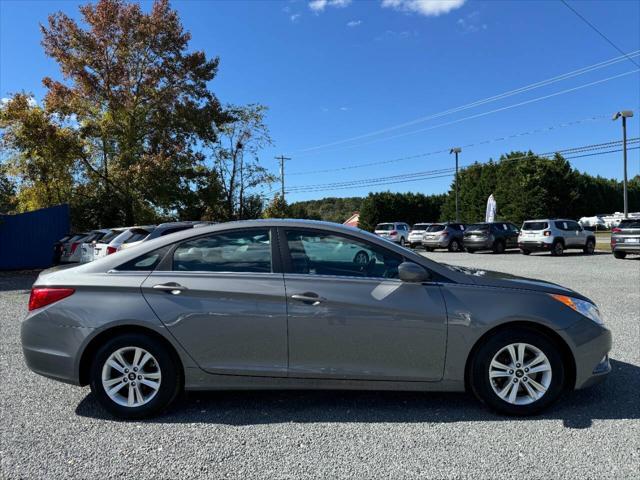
(397, 232)
(555, 235)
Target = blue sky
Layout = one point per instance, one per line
(335, 70)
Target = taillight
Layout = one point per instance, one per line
(74, 245)
(616, 230)
(111, 250)
(444, 234)
(393, 232)
(42, 296)
(547, 234)
(613, 242)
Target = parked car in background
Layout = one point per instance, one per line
(173, 227)
(443, 235)
(70, 252)
(130, 238)
(416, 233)
(58, 248)
(101, 248)
(207, 308)
(495, 236)
(88, 243)
(397, 232)
(555, 235)
(625, 238)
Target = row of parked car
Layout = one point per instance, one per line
(554, 235)
(85, 247)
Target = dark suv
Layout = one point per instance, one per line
(625, 238)
(496, 236)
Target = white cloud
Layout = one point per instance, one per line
(320, 5)
(354, 23)
(429, 8)
(295, 17)
(471, 23)
(344, 109)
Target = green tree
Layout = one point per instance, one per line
(7, 191)
(411, 208)
(140, 102)
(277, 208)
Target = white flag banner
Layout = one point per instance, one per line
(490, 216)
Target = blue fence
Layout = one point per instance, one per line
(26, 239)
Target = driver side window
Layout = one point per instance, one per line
(319, 253)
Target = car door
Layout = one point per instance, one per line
(351, 319)
(573, 234)
(223, 299)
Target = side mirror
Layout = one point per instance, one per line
(412, 272)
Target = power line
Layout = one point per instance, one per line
(444, 150)
(482, 114)
(575, 152)
(599, 32)
(476, 103)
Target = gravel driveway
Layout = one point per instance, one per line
(52, 430)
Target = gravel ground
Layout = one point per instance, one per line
(52, 430)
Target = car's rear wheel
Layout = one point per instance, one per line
(498, 246)
(454, 246)
(590, 247)
(402, 241)
(135, 376)
(557, 249)
(518, 372)
(620, 255)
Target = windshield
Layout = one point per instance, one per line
(435, 228)
(384, 226)
(110, 236)
(420, 226)
(535, 225)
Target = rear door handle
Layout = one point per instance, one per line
(311, 298)
(171, 287)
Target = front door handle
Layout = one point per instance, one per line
(309, 298)
(171, 287)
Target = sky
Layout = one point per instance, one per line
(394, 84)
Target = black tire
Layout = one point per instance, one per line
(428, 249)
(402, 241)
(454, 246)
(619, 255)
(479, 370)
(498, 246)
(525, 252)
(170, 384)
(590, 247)
(557, 249)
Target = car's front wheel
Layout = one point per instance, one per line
(620, 255)
(590, 247)
(517, 372)
(135, 376)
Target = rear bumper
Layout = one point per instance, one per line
(435, 243)
(481, 244)
(534, 246)
(626, 247)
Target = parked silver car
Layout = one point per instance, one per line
(443, 235)
(555, 235)
(625, 238)
(285, 304)
(397, 232)
(416, 233)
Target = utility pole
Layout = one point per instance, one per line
(456, 150)
(624, 114)
(282, 159)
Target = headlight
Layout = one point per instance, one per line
(583, 307)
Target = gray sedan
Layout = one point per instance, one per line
(269, 304)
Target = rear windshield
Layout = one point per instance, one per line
(630, 223)
(478, 227)
(534, 225)
(420, 226)
(435, 228)
(384, 226)
(110, 236)
(75, 238)
(137, 236)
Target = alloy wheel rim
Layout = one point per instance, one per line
(131, 376)
(520, 374)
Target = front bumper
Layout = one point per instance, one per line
(591, 346)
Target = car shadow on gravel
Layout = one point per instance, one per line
(616, 398)
(17, 281)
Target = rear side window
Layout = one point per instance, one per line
(247, 251)
(147, 262)
(535, 225)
